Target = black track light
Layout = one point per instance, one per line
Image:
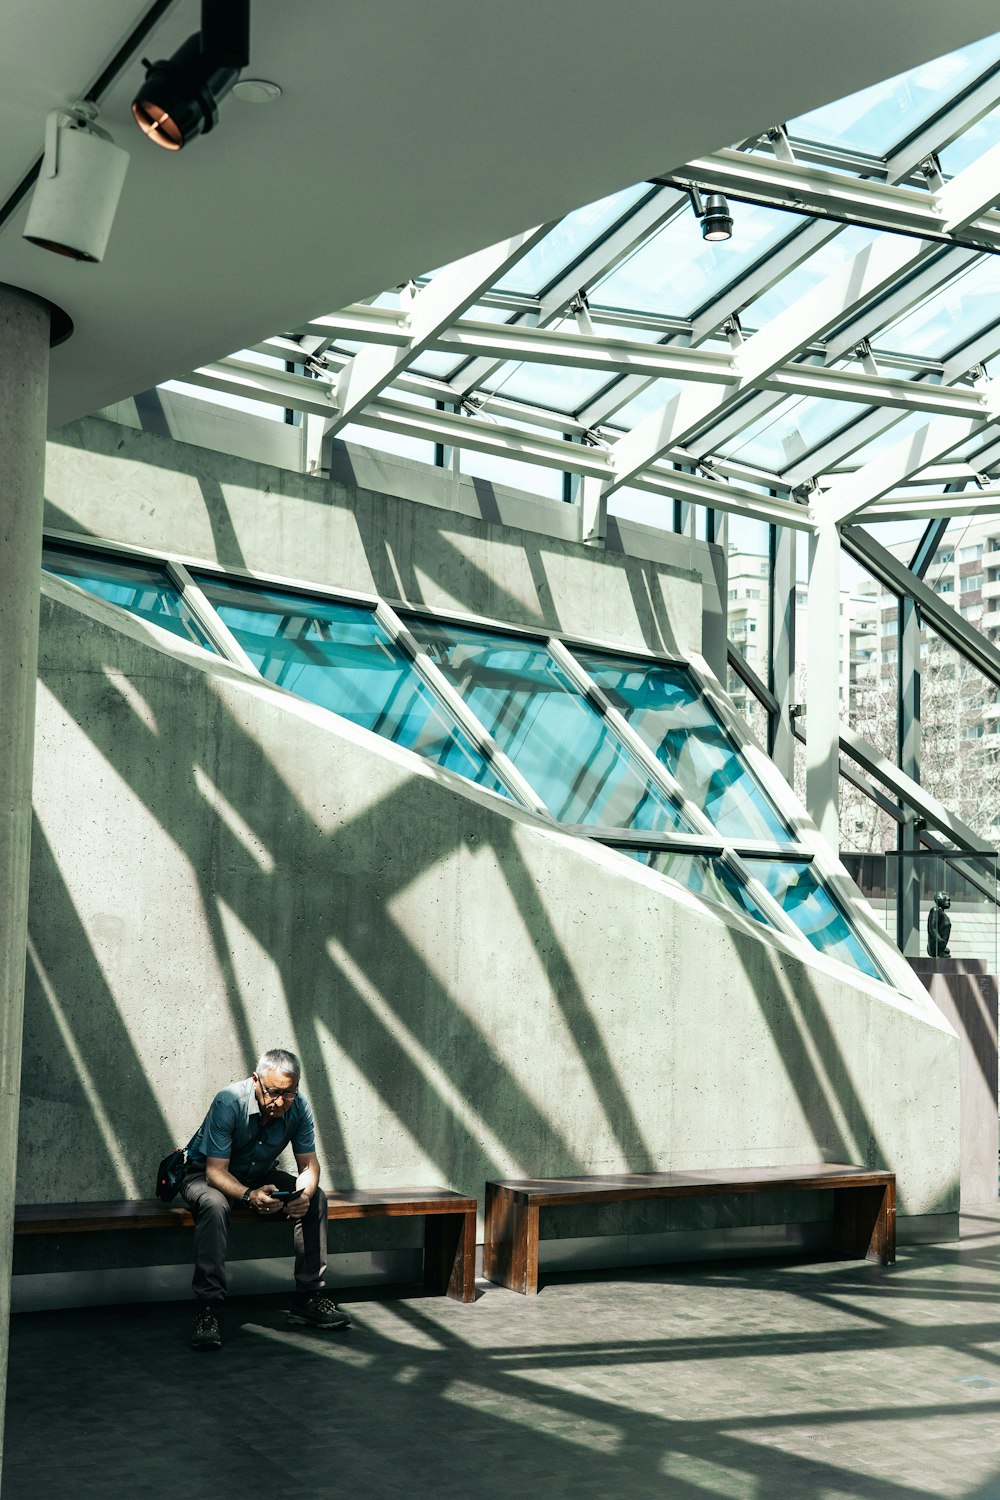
(717, 221)
(712, 212)
(180, 97)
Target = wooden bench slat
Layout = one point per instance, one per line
(623, 1186)
(449, 1224)
(864, 1207)
(150, 1213)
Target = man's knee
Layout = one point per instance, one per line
(317, 1204)
(211, 1204)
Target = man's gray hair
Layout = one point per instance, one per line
(279, 1061)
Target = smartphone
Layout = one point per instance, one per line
(286, 1195)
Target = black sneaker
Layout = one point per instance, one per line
(207, 1333)
(319, 1311)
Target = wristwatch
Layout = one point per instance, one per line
(246, 1195)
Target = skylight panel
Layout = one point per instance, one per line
(952, 315)
(789, 431)
(876, 118)
(676, 271)
(556, 387)
(655, 395)
(439, 363)
(971, 144)
(569, 239)
(841, 247)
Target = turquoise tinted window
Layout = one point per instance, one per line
(142, 588)
(664, 706)
(706, 875)
(558, 741)
(813, 910)
(340, 656)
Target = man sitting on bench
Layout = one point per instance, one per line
(230, 1159)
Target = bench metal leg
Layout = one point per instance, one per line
(450, 1254)
(510, 1251)
(864, 1221)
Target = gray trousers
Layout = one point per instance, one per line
(211, 1210)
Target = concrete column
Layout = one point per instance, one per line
(24, 371)
(823, 682)
(782, 654)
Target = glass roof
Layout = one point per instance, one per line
(874, 119)
(949, 319)
(570, 239)
(676, 271)
(651, 288)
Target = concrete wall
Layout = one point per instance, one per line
(218, 866)
(421, 537)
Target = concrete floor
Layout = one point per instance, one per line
(766, 1379)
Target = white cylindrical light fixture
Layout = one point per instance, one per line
(75, 198)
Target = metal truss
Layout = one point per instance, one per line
(728, 372)
(826, 346)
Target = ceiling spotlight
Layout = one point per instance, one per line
(717, 221)
(78, 187)
(180, 98)
(713, 213)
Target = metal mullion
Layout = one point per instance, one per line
(214, 627)
(749, 678)
(952, 121)
(485, 437)
(435, 305)
(474, 730)
(638, 838)
(602, 254)
(778, 848)
(926, 547)
(627, 736)
(768, 904)
(774, 785)
(773, 183)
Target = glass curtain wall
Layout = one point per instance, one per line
(535, 722)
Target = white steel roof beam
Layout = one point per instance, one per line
(601, 258)
(849, 493)
(433, 308)
(871, 271)
(921, 506)
(946, 215)
(456, 430)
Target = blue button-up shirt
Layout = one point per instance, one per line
(235, 1129)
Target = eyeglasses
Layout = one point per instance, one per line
(270, 1094)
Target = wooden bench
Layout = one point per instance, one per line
(449, 1224)
(864, 1208)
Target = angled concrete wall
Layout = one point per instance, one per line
(421, 536)
(218, 866)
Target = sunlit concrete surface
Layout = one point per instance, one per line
(762, 1379)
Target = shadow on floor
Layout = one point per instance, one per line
(763, 1379)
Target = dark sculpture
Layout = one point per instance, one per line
(939, 927)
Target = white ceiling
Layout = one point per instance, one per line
(407, 135)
